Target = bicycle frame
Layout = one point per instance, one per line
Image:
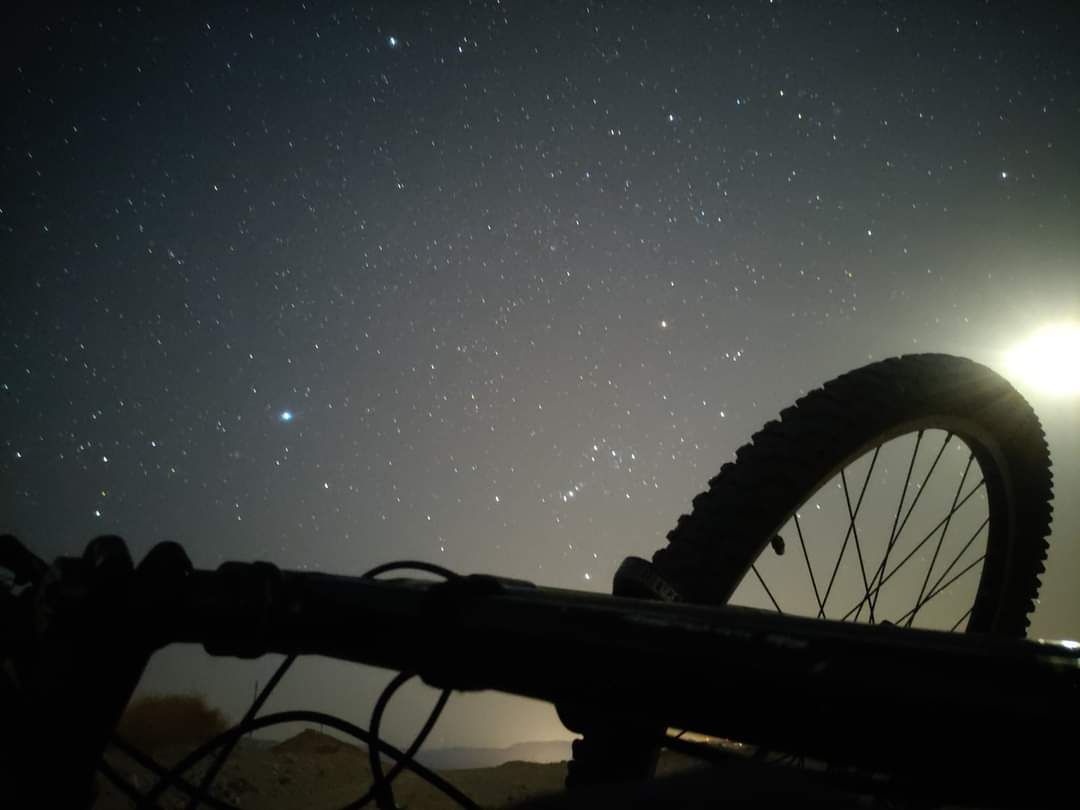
(784, 682)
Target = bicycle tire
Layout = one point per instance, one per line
(713, 547)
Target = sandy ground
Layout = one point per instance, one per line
(313, 770)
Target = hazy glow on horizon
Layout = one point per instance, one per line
(1049, 360)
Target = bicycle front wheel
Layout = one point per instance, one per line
(915, 490)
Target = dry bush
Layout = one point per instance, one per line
(157, 721)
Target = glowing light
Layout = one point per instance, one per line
(1049, 360)
(286, 416)
(392, 42)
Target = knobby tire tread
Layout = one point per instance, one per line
(790, 458)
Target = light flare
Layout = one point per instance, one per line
(1049, 360)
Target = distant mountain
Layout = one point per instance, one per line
(311, 741)
(448, 759)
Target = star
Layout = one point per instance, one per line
(286, 416)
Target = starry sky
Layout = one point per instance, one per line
(498, 285)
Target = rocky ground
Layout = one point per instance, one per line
(314, 770)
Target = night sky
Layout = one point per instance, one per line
(499, 285)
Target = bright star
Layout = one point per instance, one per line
(286, 416)
(392, 42)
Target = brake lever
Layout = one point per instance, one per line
(24, 565)
(73, 649)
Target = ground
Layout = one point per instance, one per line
(314, 770)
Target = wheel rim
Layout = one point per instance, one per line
(902, 534)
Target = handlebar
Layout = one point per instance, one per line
(962, 710)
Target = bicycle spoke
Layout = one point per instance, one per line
(960, 621)
(944, 587)
(809, 568)
(896, 520)
(922, 570)
(895, 537)
(766, 587)
(843, 547)
(855, 531)
(934, 588)
(857, 608)
(944, 530)
(921, 489)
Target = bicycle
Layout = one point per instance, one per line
(663, 652)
